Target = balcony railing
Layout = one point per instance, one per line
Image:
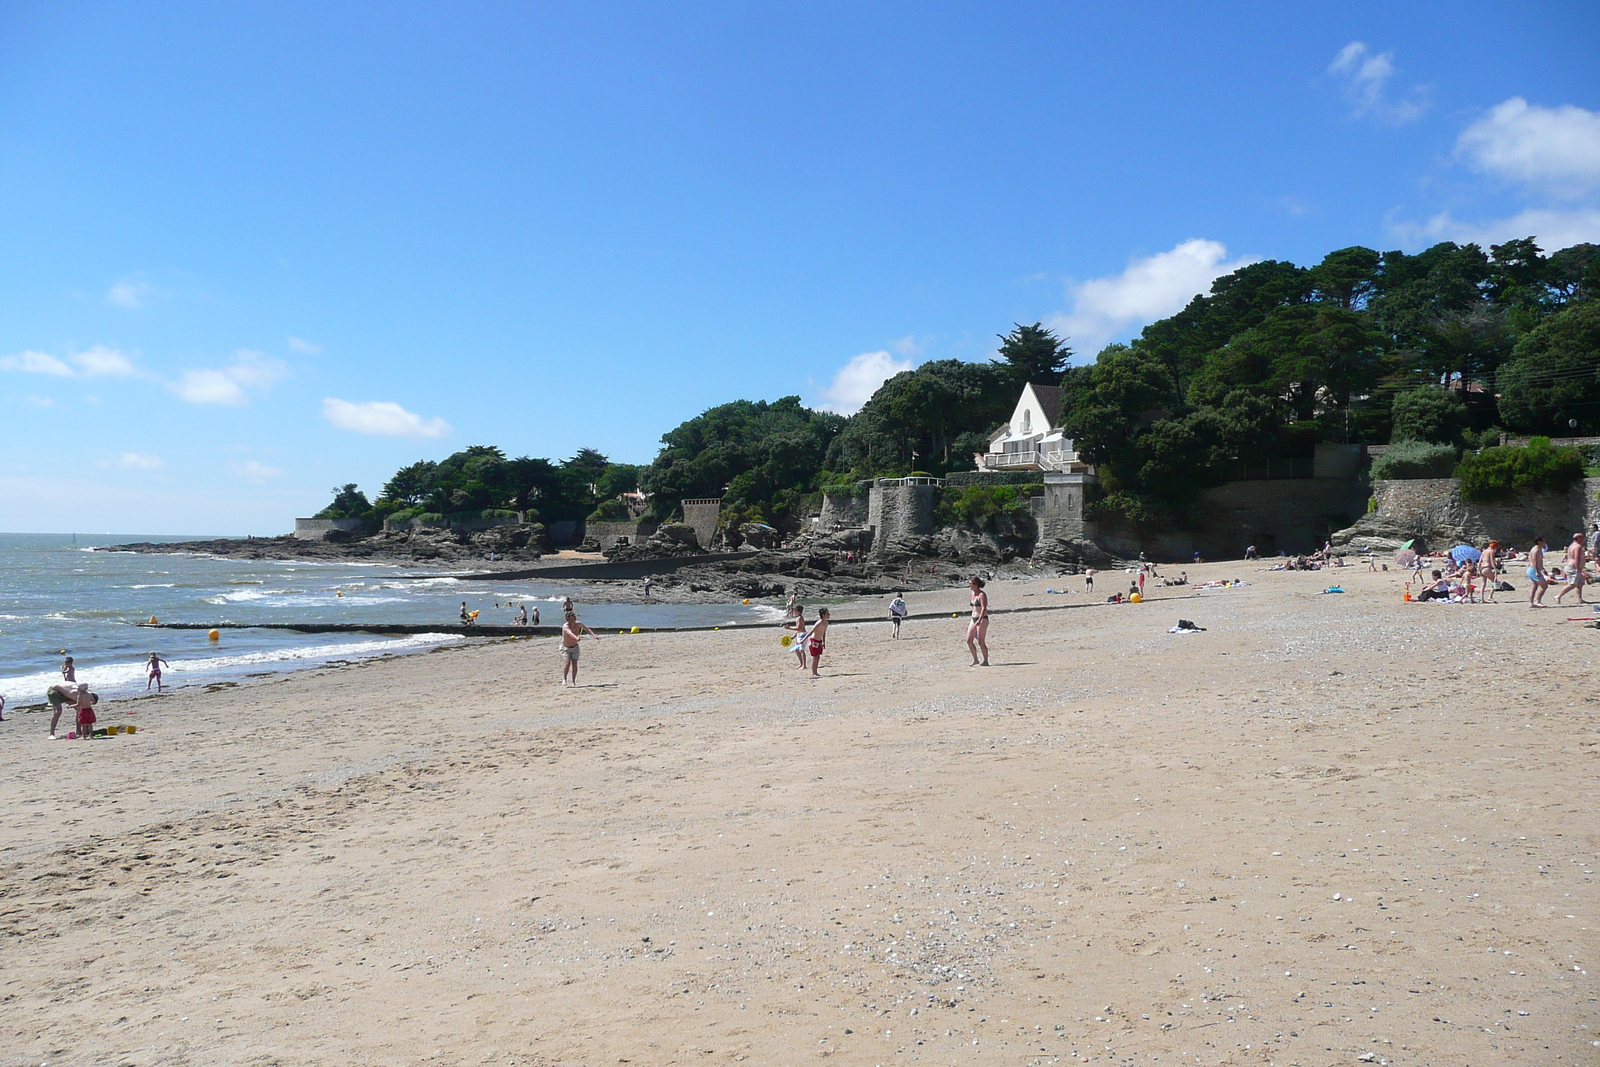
(1029, 460)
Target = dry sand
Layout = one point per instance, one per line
(1329, 830)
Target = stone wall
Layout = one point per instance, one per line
(839, 510)
(1064, 499)
(703, 515)
(898, 511)
(1291, 515)
(319, 529)
(609, 534)
(1431, 511)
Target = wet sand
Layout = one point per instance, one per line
(1331, 829)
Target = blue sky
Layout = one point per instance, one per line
(254, 251)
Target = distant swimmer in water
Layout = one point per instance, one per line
(154, 667)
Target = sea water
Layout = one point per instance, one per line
(58, 596)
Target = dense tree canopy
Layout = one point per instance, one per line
(1444, 347)
(760, 458)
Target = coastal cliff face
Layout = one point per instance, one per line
(1431, 511)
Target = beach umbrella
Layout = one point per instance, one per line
(1405, 557)
(1464, 552)
(1408, 544)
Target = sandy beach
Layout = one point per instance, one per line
(1331, 829)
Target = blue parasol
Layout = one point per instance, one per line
(1461, 553)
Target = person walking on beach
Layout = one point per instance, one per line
(978, 628)
(1538, 580)
(1141, 581)
(1575, 563)
(572, 632)
(1088, 580)
(1489, 572)
(897, 613)
(154, 670)
(818, 641)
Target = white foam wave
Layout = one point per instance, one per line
(121, 679)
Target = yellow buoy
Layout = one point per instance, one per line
(1136, 599)
(634, 630)
(152, 620)
(215, 635)
(132, 729)
(746, 600)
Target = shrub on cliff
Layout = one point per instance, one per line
(1415, 459)
(1502, 472)
(983, 505)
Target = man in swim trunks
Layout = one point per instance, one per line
(1538, 580)
(572, 632)
(1575, 562)
(818, 640)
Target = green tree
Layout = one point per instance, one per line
(1033, 354)
(1554, 375)
(1428, 414)
(943, 411)
(348, 503)
(759, 457)
(410, 484)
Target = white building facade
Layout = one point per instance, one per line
(1032, 440)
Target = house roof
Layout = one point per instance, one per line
(1049, 402)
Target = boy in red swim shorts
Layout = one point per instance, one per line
(819, 639)
(86, 720)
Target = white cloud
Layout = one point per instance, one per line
(310, 348)
(31, 362)
(381, 418)
(41, 401)
(1552, 227)
(1366, 75)
(97, 362)
(130, 293)
(1553, 149)
(137, 461)
(1150, 289)
(231, 384)
(103, 362)
(252, 471)
(858, 379)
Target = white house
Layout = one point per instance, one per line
(1033, 439)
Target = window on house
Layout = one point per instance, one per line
(1027, 421)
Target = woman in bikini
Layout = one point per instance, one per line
(978, 628)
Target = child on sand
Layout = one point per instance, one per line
(818, 640)
(68, 672)
(86, 703)
(154, 667)
(798, 625)
(572, 632)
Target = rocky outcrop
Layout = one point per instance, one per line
(673, 539)
(1430, 511)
